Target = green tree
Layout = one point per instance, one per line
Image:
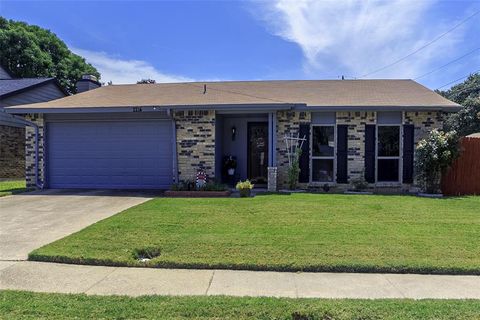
(31, 51)
(434, 154)
(467, 93)
(146, 81)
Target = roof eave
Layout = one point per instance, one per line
(269, 107)
(122, 109)
(445, 108)
(36, 85)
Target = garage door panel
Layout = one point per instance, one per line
(110, 154)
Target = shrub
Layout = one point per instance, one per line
(433, 156)
(244, 187)
(186, 185)
(294, 170)
(190, 186)
(214, 186)
(360, 183)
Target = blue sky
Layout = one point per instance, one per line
(258, 40)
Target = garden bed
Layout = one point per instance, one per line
(197, 194)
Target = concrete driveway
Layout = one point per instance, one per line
(31, 220)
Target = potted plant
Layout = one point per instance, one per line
(245, 188)
(230, 165)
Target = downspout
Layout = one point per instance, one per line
(35, 126)
(174, 146)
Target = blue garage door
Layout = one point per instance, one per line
(110, 154)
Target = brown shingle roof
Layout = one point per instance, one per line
(328, 93)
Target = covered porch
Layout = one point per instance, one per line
(245, 144)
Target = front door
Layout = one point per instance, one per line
(257, 152)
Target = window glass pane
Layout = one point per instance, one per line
(388, 170)
(388, 141)
(323, 141)
(322, 170)
(323, 117)
(389, 117)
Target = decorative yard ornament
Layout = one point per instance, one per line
(293, 145)
(201, 179)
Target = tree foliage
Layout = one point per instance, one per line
(434, 155)
(467, 93)
(30, 51)
(146, 81)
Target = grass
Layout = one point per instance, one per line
(29, 305)
(298, 232)
(9, 187)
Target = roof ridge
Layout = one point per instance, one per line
(38, 78)
(259, 81)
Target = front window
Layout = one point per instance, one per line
(388, 154)
(323, 153)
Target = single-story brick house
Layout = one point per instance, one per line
(149, 136)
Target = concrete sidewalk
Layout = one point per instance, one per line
(52, 277)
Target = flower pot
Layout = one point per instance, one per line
(244, 193)
(231, 171)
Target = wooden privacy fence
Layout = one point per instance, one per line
(464, 176)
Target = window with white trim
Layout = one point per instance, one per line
(323, 153)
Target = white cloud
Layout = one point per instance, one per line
(356, 37)
(125, 71)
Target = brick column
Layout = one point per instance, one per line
(272, 179)
(195, 143)
(30, 150)
(356, 122)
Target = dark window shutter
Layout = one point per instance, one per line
(370, 153)
(408, 152)
(342, 153)
(304, 161)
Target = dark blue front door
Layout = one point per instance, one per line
(109, 154)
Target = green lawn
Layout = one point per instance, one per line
(28, 305)
(9, 187)
(309, 232)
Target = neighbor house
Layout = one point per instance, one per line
(12, 130)
(149, 136)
